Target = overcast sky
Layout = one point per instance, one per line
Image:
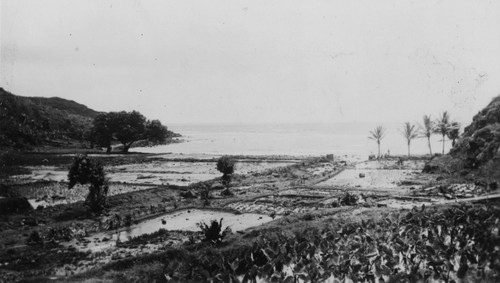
(256, 61)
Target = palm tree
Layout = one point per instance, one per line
(454, 132)
(442, 126)
(377, 134)
(409, 132)
(427, 129)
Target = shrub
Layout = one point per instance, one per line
(348, 199)
(85, 170)
(225, 165)
(214, 232)
(34, 239)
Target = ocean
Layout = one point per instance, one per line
(311, 139)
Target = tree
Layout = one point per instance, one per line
(130, 127)
(377, 135)
(102, 130)
(454, 132)
(427, 129)
(127, 128)
(156, 132)
(85, 170)
(442, 126)
(409, 132)
(225, 165)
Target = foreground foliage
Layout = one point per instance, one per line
(425, 245)
(214, 232)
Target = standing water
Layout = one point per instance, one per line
(182, 220)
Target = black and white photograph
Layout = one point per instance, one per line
(250, 141)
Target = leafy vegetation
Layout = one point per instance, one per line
(458, 243)
(377, 135)
(225, 165)
(85, 170)
(348, 199)
(214, 232)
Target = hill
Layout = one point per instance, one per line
(69, 106)
(477, 150)
(31, 121)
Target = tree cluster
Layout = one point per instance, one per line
(443, 126)
(126, 128)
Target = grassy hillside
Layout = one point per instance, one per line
(30, 121)
(479, 146)
(68, 106)
(478, 149)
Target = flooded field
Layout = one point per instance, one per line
(182, 220)
(153, 173)
(369, 178)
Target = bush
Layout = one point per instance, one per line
(225, 165)
(34, 239)
(214, 233)
(348, 199)
(85, 170)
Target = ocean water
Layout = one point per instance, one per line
(291, 139)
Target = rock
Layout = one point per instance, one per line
(188, 194)
(361, 175)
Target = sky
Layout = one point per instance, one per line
(259, 61)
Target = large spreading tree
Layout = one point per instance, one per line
(130, 127)
(127, 128)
